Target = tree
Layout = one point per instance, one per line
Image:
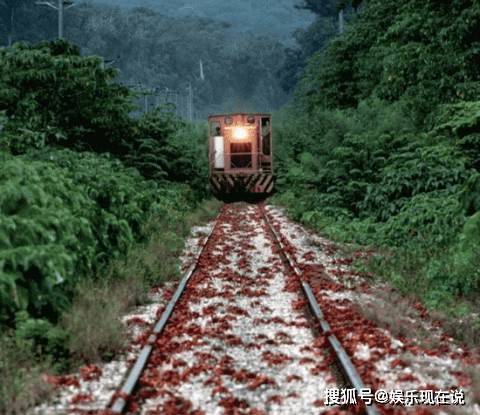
(53, 95)
(164, 52)
(343, 4)
(309, 41)
(321, 8)
(328, 7)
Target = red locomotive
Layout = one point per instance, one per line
(240, 155)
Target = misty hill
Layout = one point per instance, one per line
(277, 18)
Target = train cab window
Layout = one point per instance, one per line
(266, 136)
(215, 128)
(217, 146)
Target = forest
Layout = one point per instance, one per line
(276, 19)
(377, 133)
(156, 51)
(380, 145)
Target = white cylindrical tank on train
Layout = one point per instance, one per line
(219, 148)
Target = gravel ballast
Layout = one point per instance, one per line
(241, 340)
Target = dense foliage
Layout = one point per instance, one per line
(424, 53)
(83, 185)
(381, 145)
(62, 219)
(52, 95)
(308, 41)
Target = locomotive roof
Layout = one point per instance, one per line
(256, 114)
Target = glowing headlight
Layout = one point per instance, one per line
(240, 133)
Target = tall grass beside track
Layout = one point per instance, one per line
(93, 324)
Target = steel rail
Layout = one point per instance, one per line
(119, 403)
(342, 356)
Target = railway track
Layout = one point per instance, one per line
(120, 401)
(344, 361)
(146, 370)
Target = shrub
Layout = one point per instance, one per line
(45, 339)
(54, 96)
(462, 122)
(20, 371)
(65, 215)
(415, 168)
(426, 219)
(458, 272)
(151, 151)
(93, 324)
(45, 238)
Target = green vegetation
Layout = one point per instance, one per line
(381, 145)
(94, 208)
(92, 322)
(22, 385)
(53, 96)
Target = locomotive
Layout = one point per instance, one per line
(240, 155)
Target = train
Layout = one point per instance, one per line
(241, 155)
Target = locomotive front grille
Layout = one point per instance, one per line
(231, 183)
(240, 155)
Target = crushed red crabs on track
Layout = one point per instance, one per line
(248, 345)
(241, 339)
(383, 359)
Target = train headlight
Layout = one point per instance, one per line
(240, 133)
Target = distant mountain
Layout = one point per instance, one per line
(277, 18)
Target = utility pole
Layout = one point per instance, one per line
(177, 110)
(157, 96)
(341, 21)
(190, 102)
(61, 6)
(202, 74)
(182, 106)
(12, 22)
